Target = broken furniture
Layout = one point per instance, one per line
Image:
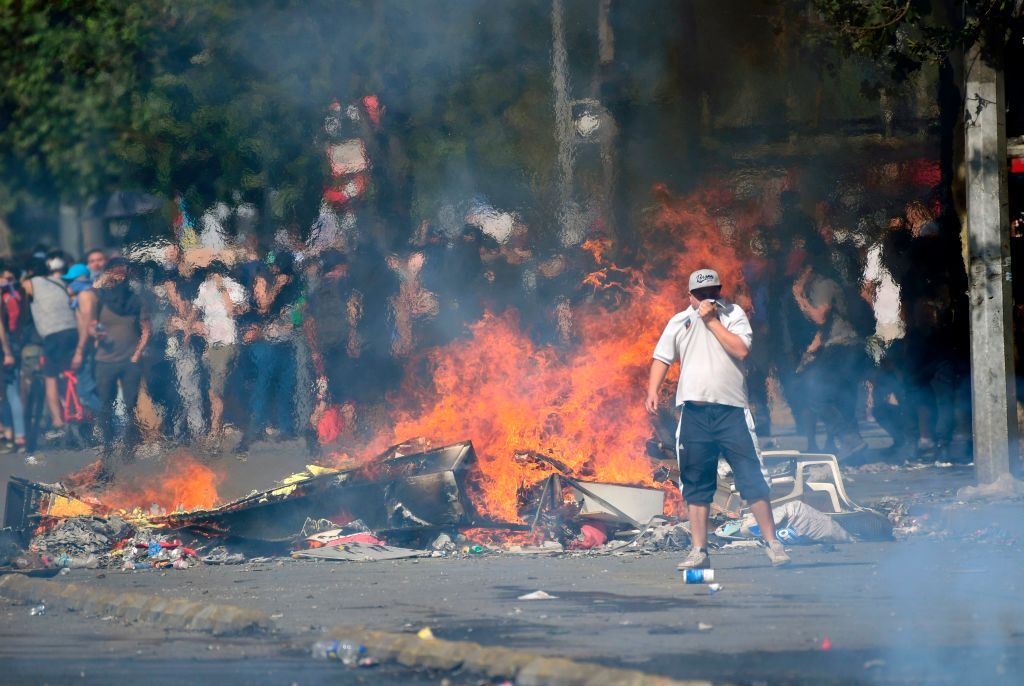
(789, 472)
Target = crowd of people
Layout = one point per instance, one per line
(178, 339)
(861, 324)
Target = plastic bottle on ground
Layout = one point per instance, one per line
(346, 652)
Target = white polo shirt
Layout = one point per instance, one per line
(708, 374)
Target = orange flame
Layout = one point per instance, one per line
(584, 406)
(184, 484)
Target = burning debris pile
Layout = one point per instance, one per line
(412, 500)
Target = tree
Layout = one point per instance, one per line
(904, 34)
(224, 100)
(68, 75)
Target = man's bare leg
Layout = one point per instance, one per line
(216, 413)
(762, 510)
(699, 524)
(53, 402)
(763, 514)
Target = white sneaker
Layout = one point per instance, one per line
(777, 553)
(697, 559)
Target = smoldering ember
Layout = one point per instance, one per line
(540, 342)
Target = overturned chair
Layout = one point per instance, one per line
(811, 478)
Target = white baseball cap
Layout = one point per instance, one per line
(704, 278)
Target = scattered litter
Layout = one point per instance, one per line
(701, 626)
(714, 588)
(426, 634)
(221, 556)
(663, 536)
(37, 611)
(826, 643)
(698, 576)
(327, 539)
(591, 536)
(348, 653)
(443, 543)
(359, 552)
(537, 595)
(81, 537)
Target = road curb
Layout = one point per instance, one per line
(170, 613)
(526, 668)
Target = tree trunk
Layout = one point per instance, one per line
(568, 222)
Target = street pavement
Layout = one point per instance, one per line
(942, 608)
(69, 648)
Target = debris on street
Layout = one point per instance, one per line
(537, 595)
(414, 501)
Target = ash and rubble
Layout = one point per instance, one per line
(415, 501)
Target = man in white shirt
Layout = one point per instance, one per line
(710, 340)
(219, 301)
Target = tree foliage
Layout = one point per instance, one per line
(904, 34)
(224, 99)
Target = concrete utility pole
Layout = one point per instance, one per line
(988, 236)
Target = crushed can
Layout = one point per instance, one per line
(698, 576)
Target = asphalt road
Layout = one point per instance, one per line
(942, 608)
(67, 648)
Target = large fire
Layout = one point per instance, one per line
(582, 406)
(184, 484)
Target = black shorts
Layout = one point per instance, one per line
(707, 431)
(58, 349)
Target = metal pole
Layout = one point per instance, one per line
(992, 374)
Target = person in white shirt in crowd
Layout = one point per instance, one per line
(56, 324)
(219, 302)
(710, 339)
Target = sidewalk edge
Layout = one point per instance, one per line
(167, 612)
(525, 668)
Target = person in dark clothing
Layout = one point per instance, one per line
(327, 321)
(184, 350)
(464, 267)
(756, 276)
(372, 367)
(930, 300)
(267, 332)
(121, 329)
(832, 364)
